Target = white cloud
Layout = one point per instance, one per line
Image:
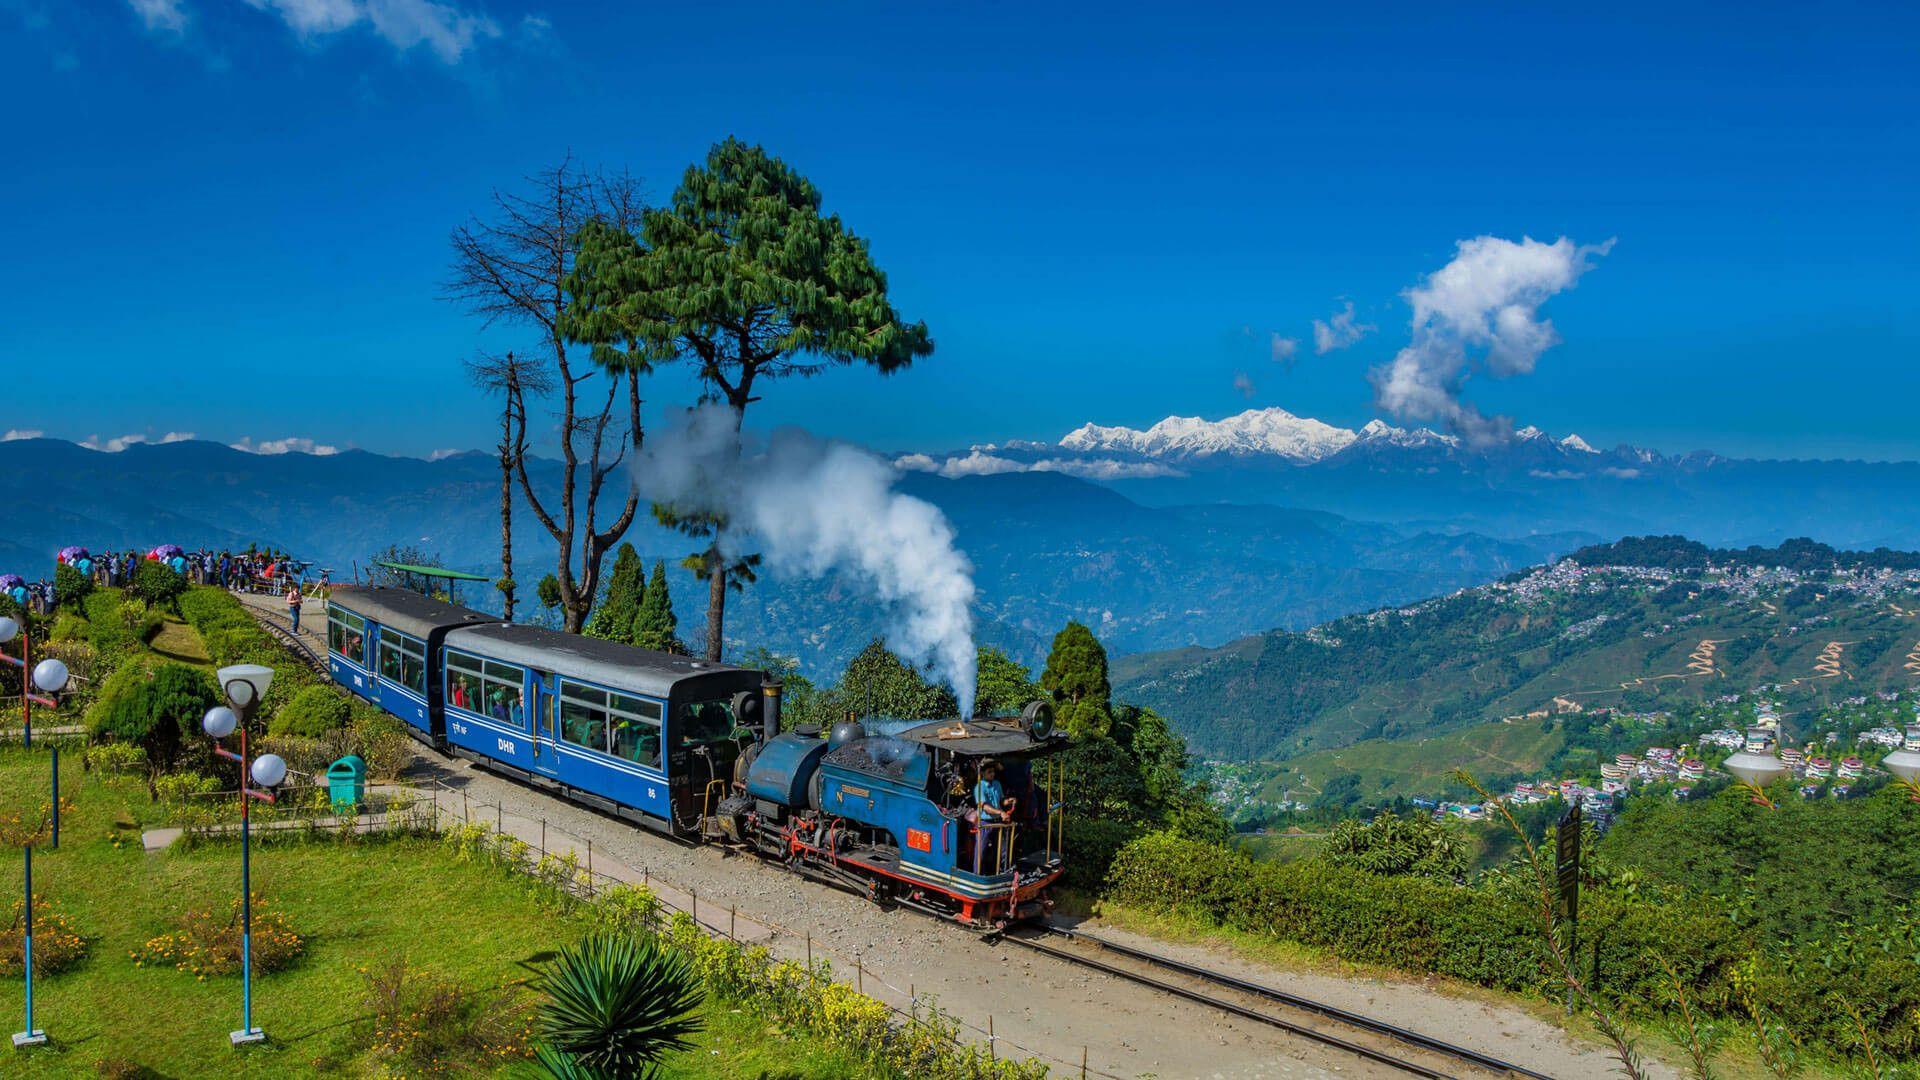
(166, 16)
(1621, 474)
(439, 455)
(114, 445)
(291, 445)
(1243, 385)
(16, 434)
(1284, 348)
(449, 32)
(1338, 331)
(976, 463)
(1479, 312)
(175, 436)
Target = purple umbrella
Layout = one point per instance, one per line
(165, 551)
(71, 555)
(10, 582)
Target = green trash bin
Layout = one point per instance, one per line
(347, 784)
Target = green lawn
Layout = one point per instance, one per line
(359, 905)
(177, 641)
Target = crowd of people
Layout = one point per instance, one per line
(268, 572)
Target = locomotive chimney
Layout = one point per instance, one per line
(770, 712)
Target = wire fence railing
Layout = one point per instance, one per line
(561, 858)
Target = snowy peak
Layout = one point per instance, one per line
(1379, 431)
(1272, 431)
(1577, 444)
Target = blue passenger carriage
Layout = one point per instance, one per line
(383, 645)
(644, 735)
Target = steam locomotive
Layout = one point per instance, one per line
(694, 750)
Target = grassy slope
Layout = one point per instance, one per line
(1422, 766)
(358, 906)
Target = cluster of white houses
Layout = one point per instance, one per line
(1815, 770)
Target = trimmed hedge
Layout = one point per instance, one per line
(313, 712)
(1488, 936)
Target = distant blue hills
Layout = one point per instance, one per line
(1047, 547)
(1189, 533)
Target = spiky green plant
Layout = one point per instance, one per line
(615, 1005)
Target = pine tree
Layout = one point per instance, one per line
(745, 276)
(1077, 675)
(613, 619)
(654, 625)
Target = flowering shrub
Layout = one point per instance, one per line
(208, 945)
(57, 944)
(181, 786)
(626, 909)
(928, 1044)
(424, 1024)
(115, 757)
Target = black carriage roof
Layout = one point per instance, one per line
(982, 738)
(609, 663)
(403, 609)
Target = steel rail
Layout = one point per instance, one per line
(1358, 1021)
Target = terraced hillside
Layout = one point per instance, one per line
(1592, 630)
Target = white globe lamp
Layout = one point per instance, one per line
(219, 722)
(50, 675)
(269, 770)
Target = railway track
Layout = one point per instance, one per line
(1363, 1036)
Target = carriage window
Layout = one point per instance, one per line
(403, 660)
(636, 729)
(583, 715)
(346, 634)
(487, 687)
(703, 722)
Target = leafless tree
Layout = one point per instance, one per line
(512, 265)
(512, 379)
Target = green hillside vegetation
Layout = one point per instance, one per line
(1633, 638)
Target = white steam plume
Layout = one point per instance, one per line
(809, 506)
(1479, 311)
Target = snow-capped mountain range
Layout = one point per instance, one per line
(1271, 431)
(1272, 434)
(1531, 482)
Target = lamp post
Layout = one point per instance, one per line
(51, 677)
(1904, 763)
(1755, 771)
(244, 686)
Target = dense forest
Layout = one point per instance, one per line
(1800, 553)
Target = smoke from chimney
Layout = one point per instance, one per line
(810, 506)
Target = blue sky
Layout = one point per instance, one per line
(230, 217)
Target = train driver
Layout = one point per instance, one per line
(994, 807)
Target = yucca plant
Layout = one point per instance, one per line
(615, 1005)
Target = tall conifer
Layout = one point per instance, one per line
(613, 619)
(654, 625)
